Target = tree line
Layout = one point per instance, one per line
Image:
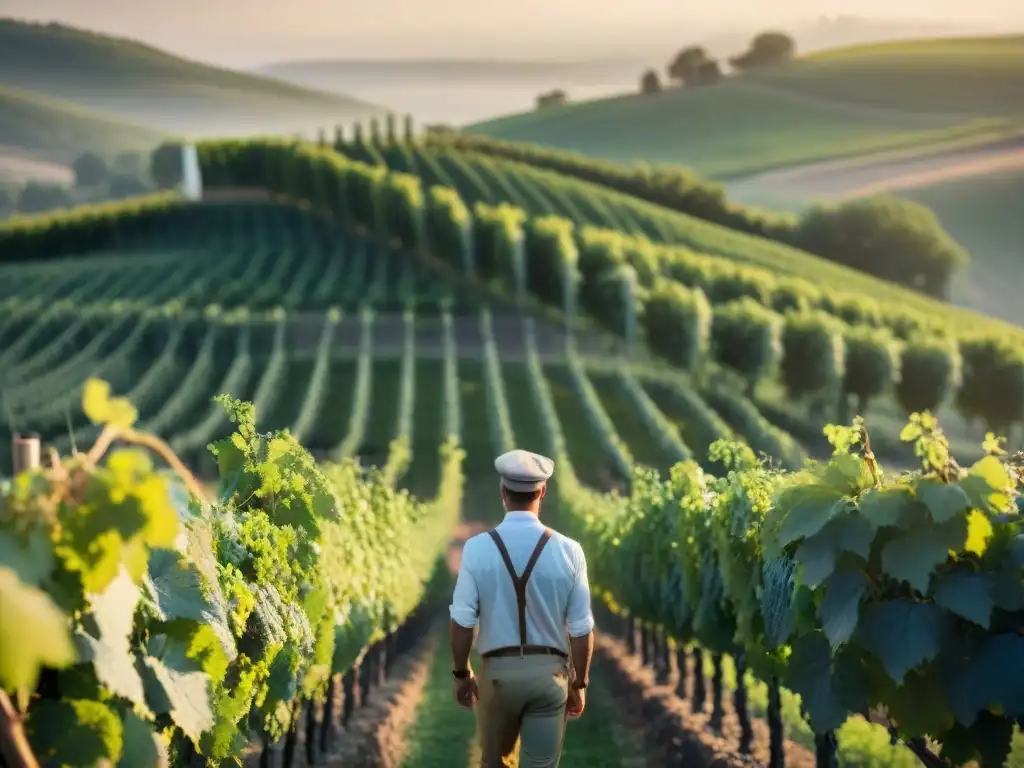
(694, 66)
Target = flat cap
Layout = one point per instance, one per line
(523, 471)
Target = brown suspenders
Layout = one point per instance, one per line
(519, 582)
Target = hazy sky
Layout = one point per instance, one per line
(247, 32)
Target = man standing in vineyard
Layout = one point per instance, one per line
(524, 587)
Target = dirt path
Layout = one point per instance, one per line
(857, 177)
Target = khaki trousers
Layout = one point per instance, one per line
(524, 699)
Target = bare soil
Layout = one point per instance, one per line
(672, 733)
(375, 734)
(375, 737)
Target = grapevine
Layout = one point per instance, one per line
(167, 624)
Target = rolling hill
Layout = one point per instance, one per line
(136, 82)
(845, 102)
(37, 127)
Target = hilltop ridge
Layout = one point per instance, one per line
(141, 83)
(845, 102)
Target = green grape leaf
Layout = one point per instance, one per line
(840, 609)
(281, 682)
(108, 647)
(968, 595)
(30, 557)
(988, 741)
(920, 707)
(848, 532)
(913, 555)
(993, 677)
(143, 748)
(176, 587)
(903, 635)
(944, 501)
(177, 686)
(178, 590)
(101, 408)
(888, 506)
(74, 733)
(113, 666)
(988, 486)
(776, 602)
(979, 532)
(27, 612)
(805, 509)
(96, 400)
(96, 556)
(121, 413)
(1008, 589)
(114, 609)
(846, 473)
(829, 692)
(130, 471)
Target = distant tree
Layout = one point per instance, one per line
(768, 49)
(686, 67)
(126, 185)
(708, 73)
(165, 166)
(129, 162)
(90, 170)
(38, 196)
(650, 82)
(888, 237)
(555, 98)
(6, 199)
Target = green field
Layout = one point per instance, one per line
(135, 82)
(843, 103)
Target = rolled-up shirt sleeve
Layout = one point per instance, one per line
(465, 607)
(579, 619)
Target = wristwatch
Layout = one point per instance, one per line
(461, 674)
(579, 685)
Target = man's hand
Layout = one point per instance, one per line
(576, 702)
(465, 691)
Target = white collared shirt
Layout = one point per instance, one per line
(557, 594)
